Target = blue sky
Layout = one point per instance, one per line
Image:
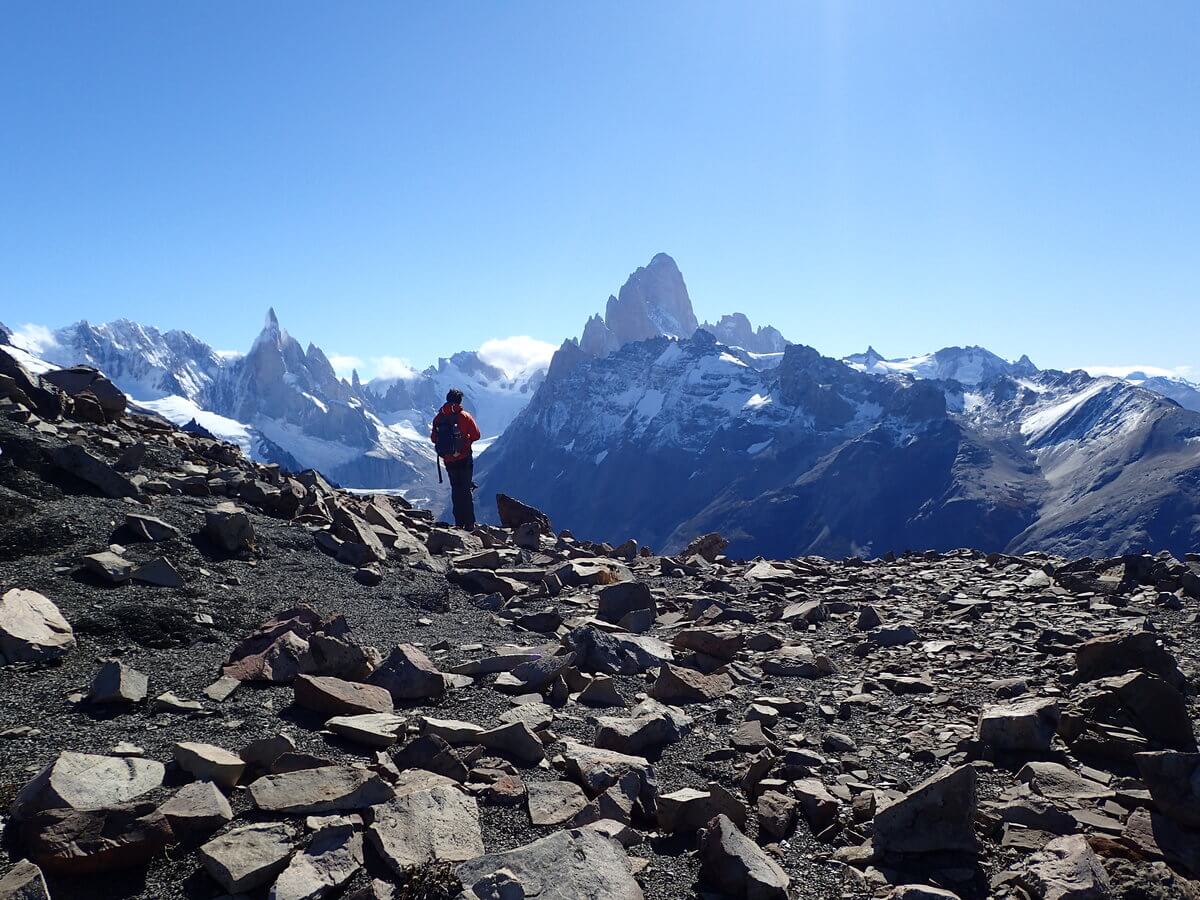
(407, 180)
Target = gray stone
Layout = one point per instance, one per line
(378, 730)
(83, 781)
(118, 683)
(1023, 726)
(1174, 783)
(618, 600)
(32, 629)
(515, 741)
(159, 572)
(1067, 869)
(248, 857)
(75, 460)
(333, 856)
(438, 822)
(336, 697)
(24, 881)
(1056, 782)
(732, 862)
(197, 807)
(407, 674)
(326, 789)
(576, 864)
(263, 752)
(107, 566)
(229, 528)
(553, 802)
(938, 815)
(89, 841)
(149, 528)
(209, 763)
(676, 684)
(687, 809)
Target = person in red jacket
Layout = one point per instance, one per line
(454, 431)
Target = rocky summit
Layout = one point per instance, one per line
(222, 678)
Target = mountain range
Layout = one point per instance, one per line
(655, 425)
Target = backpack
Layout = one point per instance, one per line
(447, 435)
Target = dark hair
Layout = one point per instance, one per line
(454, 395)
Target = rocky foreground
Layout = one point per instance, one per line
(223, 680)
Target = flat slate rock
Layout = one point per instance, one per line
(248, 857)
(578, 864)
(553, 802)
(327, 789)
(421, 825)
(87, 781)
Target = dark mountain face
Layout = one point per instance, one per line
(664, 440)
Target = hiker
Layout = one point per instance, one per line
(454, 430)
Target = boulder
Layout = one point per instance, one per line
(118, 683)
(650, 726)
(688, 810)
(159, 572)
(83, 781)
(1174, 783)
(32, 629)
(229, 528)
(736, 865)
(248, 857)
(938, 815)
(86, 841)
(148, 528)
(707, 546)
(616, 654)
(77, 380)
(328, 789)
(78, 462)
(198, 807)
(333, 856)
(378, 730)
(23, 881)
(820, 807)
(108, 566)
(1024, 726)
(676, 684)
(575, 864)
(1066, 869)
(553, 802)
(1116, 654)
(208, 762)
(335, 697)
(408, 674)
(615, 601)
(438, 822)
(513, 514)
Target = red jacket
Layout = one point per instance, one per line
(466, 427)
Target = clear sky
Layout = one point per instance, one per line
(410, 179)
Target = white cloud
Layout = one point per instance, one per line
(33, 338)
(392, 367)
(344, 364)
(517, 354)
(1152, 371)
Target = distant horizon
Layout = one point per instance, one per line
(515, 354)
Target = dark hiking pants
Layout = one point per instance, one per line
(460, 473)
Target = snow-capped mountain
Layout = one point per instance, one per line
(1185, 393)
(654, 302)
(283, 402)
(966, 365)
(494, 396)
(663, 440)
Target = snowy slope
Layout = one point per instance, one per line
(662, 440)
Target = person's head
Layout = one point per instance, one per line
(454, 397)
